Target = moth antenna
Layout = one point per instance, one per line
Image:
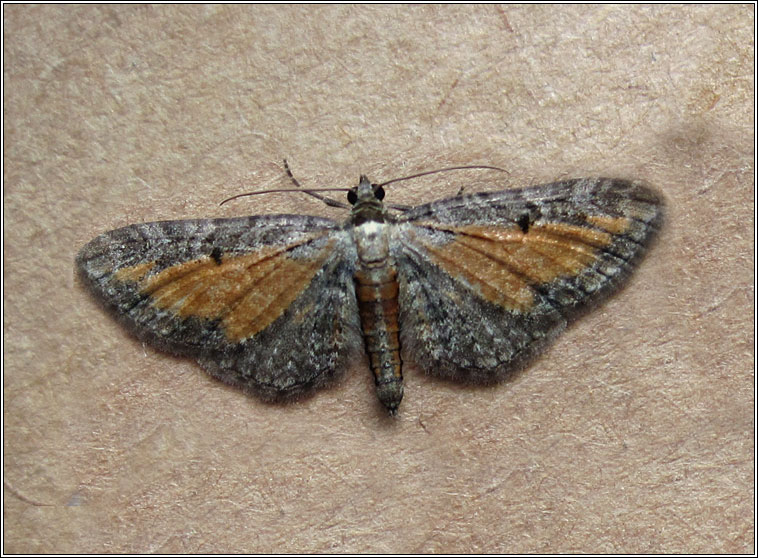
(310, 191)
(328, 201)
(289, 173)
(443, 170)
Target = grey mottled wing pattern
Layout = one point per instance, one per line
(488, 280)
(175, 285)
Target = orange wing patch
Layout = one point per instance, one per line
(134, 273)
(615, 225)
(504, 262)
(247, 292)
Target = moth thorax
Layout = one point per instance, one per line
(372, 242)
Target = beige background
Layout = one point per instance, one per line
(634, 433)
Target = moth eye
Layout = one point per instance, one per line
(352, 197)
(379, 193)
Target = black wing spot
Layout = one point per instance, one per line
(216, 254)
(524, 222)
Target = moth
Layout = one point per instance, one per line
(469, 288)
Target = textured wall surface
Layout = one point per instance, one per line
(632, 434)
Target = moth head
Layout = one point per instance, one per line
(365, 191)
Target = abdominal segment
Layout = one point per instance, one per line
(377, 293)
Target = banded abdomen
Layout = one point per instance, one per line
(377, 295)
